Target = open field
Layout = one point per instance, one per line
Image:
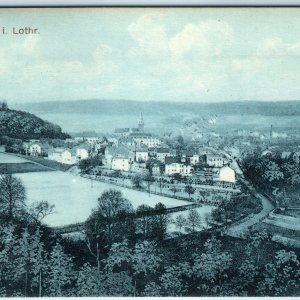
(24, 167)
(11, 158)
(74, 197)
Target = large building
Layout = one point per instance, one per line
(174, 167)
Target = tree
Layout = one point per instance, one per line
(174, 190)
(255, 245)
(144, 221)
(89, 282)
(4, 106)
(111, 222)
(59, 271)
(160, 221)
(180, 221)
(272, 172)
(189, 190)
(211, 266)
(84, 165)
(40, 210)
(111, 203)
(282, 277)
(119, 257)
(12, 197)
(149, 179)
(194, 219)
(145, 258)
(137, 181)
(207, 219)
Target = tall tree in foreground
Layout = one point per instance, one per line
(281, 278)
(12, 197)
(59, 272)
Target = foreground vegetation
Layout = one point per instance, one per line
(122, 256)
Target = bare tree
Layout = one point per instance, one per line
(174, 190)
(194, 219)
(12, 196)
(40, 210)
(180, 221)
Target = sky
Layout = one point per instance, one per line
(151, 54)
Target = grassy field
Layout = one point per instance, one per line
(24, 167)
(74, 197)
(48, 163)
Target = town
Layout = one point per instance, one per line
(150, 152)
(130, 152)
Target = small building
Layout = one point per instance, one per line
(162, 153)
(63, 156)
(146, 139)
(36, 149)
(174, 167)
(82, 151)
(215, 160)
(120, 163)
(226, 174)
(141, 154)
(194, 159)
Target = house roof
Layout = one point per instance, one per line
(122, 130)
(141, 149)
(162, 150)
(120, 150)
(83, 146)
(140, 134)
(171, 160)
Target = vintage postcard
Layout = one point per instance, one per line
(149, 152)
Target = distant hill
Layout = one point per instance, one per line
(23, 125)
(128, 107)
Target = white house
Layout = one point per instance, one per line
(174, 167)
(162, 153)
(63, 156)
(35, 149)
(156, 169)
(194, 159)
(119, 151)
(141, 154)
(145, 139)
(120, 163)
(82, 152)
(178, 168)
(215, 160)
(227, 174)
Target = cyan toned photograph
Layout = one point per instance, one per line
(149, 152)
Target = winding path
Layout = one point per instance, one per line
(239, 230)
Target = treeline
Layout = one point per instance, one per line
(271, 173)
(116, 107)
(23, 125)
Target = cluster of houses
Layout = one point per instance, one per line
(138, 151)
(64, 155)
(134, 150)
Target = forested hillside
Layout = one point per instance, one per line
(23, 125)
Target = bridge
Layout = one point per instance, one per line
(77, 227)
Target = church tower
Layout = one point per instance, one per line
(141, 123)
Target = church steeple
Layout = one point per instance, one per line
(141, 123)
